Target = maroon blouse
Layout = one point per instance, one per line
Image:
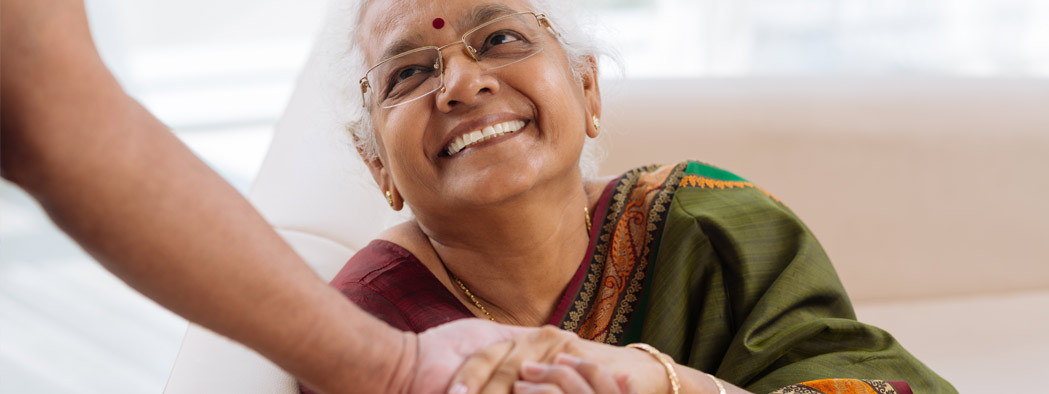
(389, 282)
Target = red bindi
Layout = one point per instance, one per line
(438, 23)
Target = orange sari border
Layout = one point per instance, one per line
(616, 274)
(693, 180)
(846, 386)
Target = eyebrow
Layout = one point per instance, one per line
(402, 45)
(483, 13)
(477, 15)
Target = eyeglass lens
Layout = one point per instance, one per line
(411, 75)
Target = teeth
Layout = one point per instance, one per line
(486, 133)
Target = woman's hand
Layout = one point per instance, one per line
(569, 374)
(496, 368)
(429, 362)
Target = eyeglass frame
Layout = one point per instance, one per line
(540, 18)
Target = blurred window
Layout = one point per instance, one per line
(204, 64)
(699, 38)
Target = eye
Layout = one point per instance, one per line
(502, 37)
(406, 78)
(403, 80)
(408, 72)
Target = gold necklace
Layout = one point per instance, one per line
(470, 294)
(586, 219)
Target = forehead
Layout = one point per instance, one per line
(406, 24)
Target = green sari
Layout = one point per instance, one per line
(724, 278)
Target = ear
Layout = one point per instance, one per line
(381, 175)
(592, 95)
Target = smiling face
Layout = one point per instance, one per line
(492, 134)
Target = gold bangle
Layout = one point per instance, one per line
(675, 385)
(721, 387)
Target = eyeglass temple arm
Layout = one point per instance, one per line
(544, 22)
(364, 89)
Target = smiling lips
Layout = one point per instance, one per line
(488, 132)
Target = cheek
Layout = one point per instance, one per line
(400, 138)
(559, 100)
(553, 76)
(393, 129)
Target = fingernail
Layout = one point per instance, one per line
(523, 387)
(567, 359)
(532, 370)
(458, 388)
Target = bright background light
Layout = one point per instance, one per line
(219, 73)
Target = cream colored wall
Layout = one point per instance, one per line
(916, 188)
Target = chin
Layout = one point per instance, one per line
(497, 184)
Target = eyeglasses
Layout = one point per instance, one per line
(414, 74)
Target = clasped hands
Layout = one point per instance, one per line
(549, 360)
(536, 360)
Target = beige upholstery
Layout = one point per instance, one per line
(916, 188)
(928, 194)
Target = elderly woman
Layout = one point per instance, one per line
(476, 113)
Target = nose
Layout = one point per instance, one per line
(465, 81)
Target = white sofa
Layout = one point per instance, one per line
(927, 194)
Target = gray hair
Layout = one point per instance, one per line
(345, 62)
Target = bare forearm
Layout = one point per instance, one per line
(695, 381)
(115, 179)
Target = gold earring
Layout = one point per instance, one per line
(389, 198)
(596, 121)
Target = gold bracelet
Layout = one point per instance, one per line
(675, 385)
(721, 387)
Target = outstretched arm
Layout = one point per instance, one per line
(117, 181)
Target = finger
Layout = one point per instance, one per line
(564, 377)
(596, 376)
(503, 377)
(442, 350)
(478, 368)
(540, 345)
(626, 385)
(521, 387)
